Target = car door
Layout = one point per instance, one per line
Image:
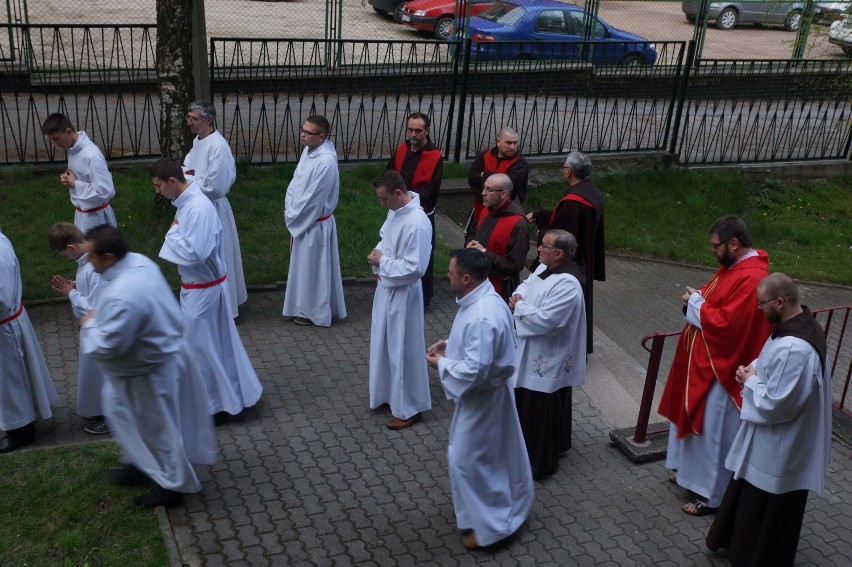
(601, 53)
(554, 25)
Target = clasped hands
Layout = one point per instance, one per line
(435, 353)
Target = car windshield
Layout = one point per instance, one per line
(503, 13)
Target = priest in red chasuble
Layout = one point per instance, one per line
(724, 329)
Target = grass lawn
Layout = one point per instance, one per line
(806, 226)
(56, 508)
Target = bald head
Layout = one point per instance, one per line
(507, 143)
(780, 285)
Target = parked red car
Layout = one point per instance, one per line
(437, 16)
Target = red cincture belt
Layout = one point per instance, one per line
(205, 285)
(326, 217)
(96, 209)
(13, 317)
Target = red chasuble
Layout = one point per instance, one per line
(733, 330)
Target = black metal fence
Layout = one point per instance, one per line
(593, 96)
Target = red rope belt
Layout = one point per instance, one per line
(326, 217)
(13, 317)
(204, 285)
(96, 209)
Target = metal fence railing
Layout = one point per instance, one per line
(596, 96)
(838, 332)
(102, 77)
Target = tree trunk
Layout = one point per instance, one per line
(174, 75)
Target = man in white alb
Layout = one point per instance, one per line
(26, 389)
(87, 178)
(398, 374)
(67, 240)
(314, 293)
(489, 469)
(212, 165)
(194, 243)
(153, 397)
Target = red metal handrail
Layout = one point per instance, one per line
(658, 340)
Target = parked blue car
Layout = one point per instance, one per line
(535, 28)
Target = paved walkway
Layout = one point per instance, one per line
(311, 476)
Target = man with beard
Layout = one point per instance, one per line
(502, 158)
(782, 447)
(420, 164)
(502, 234)
(702, 396)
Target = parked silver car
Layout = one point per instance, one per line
(729, 14)
(840, 34)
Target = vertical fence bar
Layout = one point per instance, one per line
(801, 42)
(466, 44)
(681, 97)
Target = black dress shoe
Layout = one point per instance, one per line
(158, 496)
(128, 476)
(221, 418)
(17, 438)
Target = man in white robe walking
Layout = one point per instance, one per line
(398, 373)
(26, 389)
(314, 293)
(550, 321)
(211, 164)
(782, 447)
(153, 397)
(68, 241)
(87, 178)
(489, 468)
(194, 243)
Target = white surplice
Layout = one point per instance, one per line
(94, 186)
(314, 283)
(194, 243)
(214, 169)
(26, 389)
(550, 321)
(398, 373)
(90, 378)
(489, 468)
(784, 440)
(154, 397)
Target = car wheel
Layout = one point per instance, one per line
(727, 19)
(793, 21)
(443, 27)
(379, 11)
(633, 60)
(397, 12)
(690, 19)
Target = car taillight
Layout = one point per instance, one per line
(481, 37)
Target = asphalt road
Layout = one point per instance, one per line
(306, 19)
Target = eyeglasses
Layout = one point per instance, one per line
(720, 243)
(762, 303)
(309, 133)
(488, 190)
(416, 130)
(543, 245)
